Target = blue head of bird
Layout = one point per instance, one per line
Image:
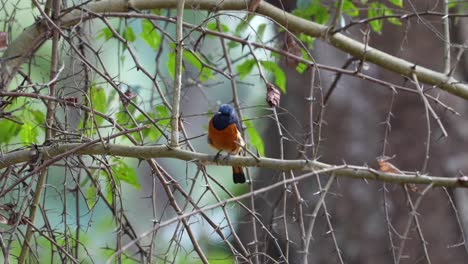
(226, 109)
(225, 116)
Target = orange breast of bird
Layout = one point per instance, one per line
(225, 139)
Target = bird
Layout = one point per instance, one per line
(224, 135)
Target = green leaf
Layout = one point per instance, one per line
(243, 26)
(349, 8)
(38, 116)
(245, 68)
(376, 10)
(162, 113)
(122, 117)
(152, 133)
(157, 12)
(214, 27)
(392, 20)
(106, 33)
(220, 256)
(98, 101)
(233, 44)
(150, 35)
(129, 35)
(98, 98)
(254, 138)
(193, 60)
(28, 133)
(171, 57)
(109, 190)
(280, 76)
(205, 73)
(261, 31)
(301, 67)
(313, 11)
(91, 196)
(398, 3)
(308, 40)
(9, 130)
(126, 174)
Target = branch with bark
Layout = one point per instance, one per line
(163, 151)
(34, 36)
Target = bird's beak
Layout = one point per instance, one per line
(218, 113)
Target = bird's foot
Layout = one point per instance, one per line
(228, 157)
(217, 156)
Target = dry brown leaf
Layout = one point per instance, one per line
(3, 40)
(273, 95)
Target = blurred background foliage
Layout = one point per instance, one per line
(352, 131)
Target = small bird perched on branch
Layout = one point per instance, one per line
(224, 135)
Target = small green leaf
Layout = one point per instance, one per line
(109, 190)
(38, 116)
(122, 117)
(254, 138)
(98, 101)
(301, 67)
(452, 4)
(171, 57)
(261, 31)
(28, 133)
(129, 35)
(245, 68)
(214, 27)
(106, 33)
(205, 73)
(233, 44)
(126, 174)
(275, 69)
(220, 256)
(150, 35)
(243, 26)
(349, 8)
(91, 196)
(157, 11)
(313, 11)
(152, 133)
(9, 130)
(398, 3)
(98, 98)
(162, 113)
(376, 10)
(193, 60)
(308, 40)
(392, 20)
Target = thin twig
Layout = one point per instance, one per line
(178, 75)
(313, 217)
(446, 41)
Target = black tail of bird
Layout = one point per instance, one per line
(238, 175)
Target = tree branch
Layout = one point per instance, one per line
(178, 75)
(148, 152)
(19, 47)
